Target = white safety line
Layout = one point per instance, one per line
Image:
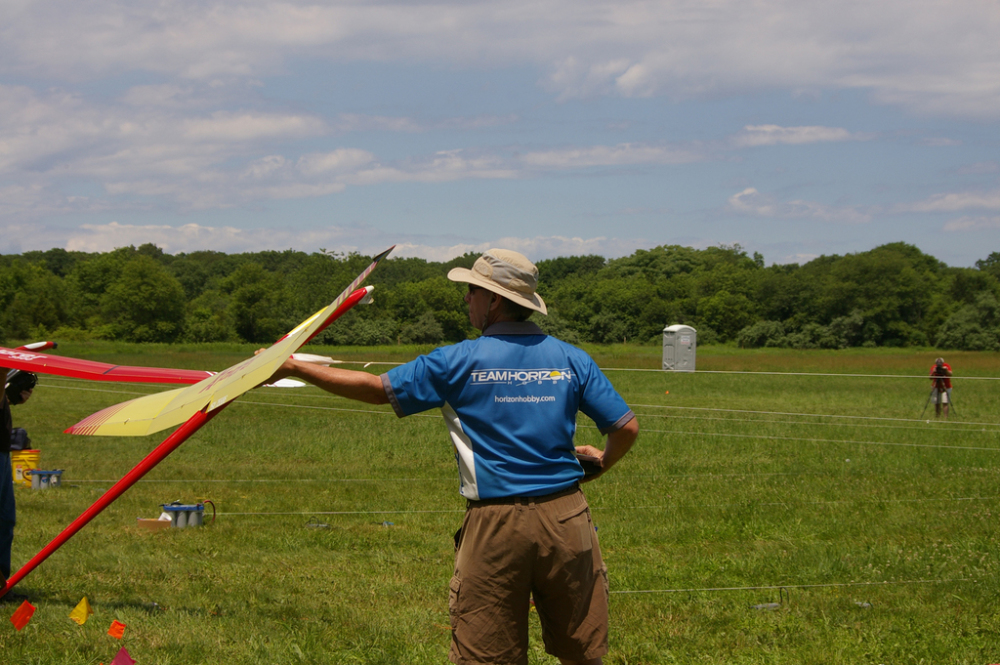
(808, 415)
(924, 377)
(795, 586)
(811, 440)
(672, 506)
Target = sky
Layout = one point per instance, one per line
(553, 127)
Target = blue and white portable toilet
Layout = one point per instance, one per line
(679, 345)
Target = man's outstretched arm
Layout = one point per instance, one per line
(360, 386)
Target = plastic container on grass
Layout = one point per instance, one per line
(23, 462)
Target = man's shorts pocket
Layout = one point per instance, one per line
(578, 528)
(454, 589)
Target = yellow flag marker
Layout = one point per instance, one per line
(82, 612)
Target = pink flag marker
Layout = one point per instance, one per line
(122, 658)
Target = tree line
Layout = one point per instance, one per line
(893, 295)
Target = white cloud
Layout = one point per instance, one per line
(344, 159)
(764, 135)
(957, 201)
(443, 166)
(623, 154)
(800, 258)
(186, 158)
(903, 54)
(167, 95)
(241, 127)
(537, 248)
(353, 122)
(752, 202)
(941, 142)
(196, 237)
(265, 167)
(973, 224)
(979, 168)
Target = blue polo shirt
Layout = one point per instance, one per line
(510, 400)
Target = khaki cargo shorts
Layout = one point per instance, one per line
(513, 550)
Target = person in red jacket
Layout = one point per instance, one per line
(941, 386)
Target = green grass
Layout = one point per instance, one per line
(721, 491)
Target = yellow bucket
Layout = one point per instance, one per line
(23, 461)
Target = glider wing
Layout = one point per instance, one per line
(43, 363)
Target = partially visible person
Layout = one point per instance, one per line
(941, 387)
(17, 390)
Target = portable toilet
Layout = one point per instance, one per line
(679, 344)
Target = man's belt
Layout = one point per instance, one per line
(523, 500)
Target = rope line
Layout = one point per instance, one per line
(659, 431)
(809, 440)
(925, 377)
(650, 406)
(401, 511)
(632, 477)
(809, 415)
(758, 504)
(802, 423)
(348, 512)
(795, 586)
(265, 480)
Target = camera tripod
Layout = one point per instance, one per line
(951, 405)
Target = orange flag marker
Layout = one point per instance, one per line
(117, 629)
(23, 615)
(82, 612)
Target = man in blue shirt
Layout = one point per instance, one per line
(510, 400)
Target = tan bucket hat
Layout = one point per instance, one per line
(507, 273)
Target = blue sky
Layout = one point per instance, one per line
(554, 127)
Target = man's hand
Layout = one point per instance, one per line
(360, 386)
(286, 369)
(598, 460)
(619, 442)
(25, 394)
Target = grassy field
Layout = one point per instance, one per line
(761, 518)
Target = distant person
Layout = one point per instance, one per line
(17, 390)
(941, 386)
(510, 400)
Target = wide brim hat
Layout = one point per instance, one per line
(506, 273)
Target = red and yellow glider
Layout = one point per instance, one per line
(189, 407)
